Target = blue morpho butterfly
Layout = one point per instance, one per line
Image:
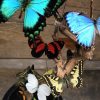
(35, 13)
(83, 27)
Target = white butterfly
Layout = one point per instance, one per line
(43, 91)
(32, 86)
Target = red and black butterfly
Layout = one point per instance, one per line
(39, 47)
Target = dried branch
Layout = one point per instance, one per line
(65, 67)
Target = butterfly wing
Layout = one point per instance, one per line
(38, 50)
(81, 26)
(34, 19)
(98, 25)
(14, 93)
(57, 5)
(53, 6)
(59, 44)
(43, 91)
(76, 74)
(33, 43)
(8, 8)
(36, 13)
(33, 23)
(39, 6)
(37, 46)
(53, 48)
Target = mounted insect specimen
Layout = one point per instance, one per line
(35, 13)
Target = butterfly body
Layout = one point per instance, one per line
(83, 27)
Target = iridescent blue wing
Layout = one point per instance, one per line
(81, 26)
(34, 19)
(8, 8)
(33, 23)
(36, 13)
(39, 6)
(98, 25)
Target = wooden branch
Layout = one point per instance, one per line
(84, 54)
(65, 68)
(70, 65)
(63, 29)
(69, 34)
